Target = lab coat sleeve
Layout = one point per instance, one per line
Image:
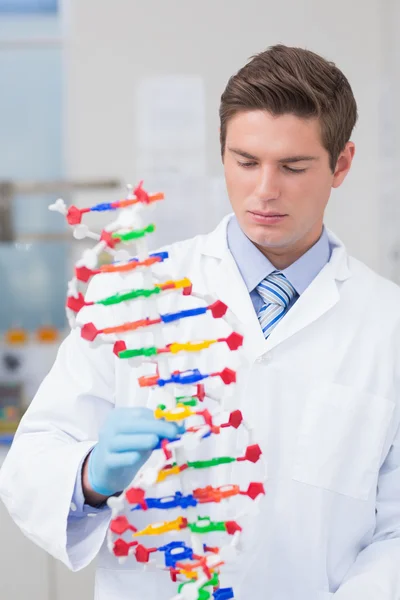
(38, 477)
(78, 506)
(375, 574)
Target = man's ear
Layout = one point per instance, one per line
(343, 164)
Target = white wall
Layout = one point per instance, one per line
(113, 45)
(389, 173)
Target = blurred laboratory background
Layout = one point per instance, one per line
(96, 95)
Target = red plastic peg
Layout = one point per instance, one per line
(84, 274)
(206, 416)
(141, 195)
(218, 309)
(121, 548)
(89, 332)
(107, 237)
(234, 341)
(232, 527)
(253, 453)
(143, 554)
(228, 376)
(235, 419)
(119, 347)
(167, 453)
(187, 290)
(136, 496)
(75, 304)
(74, 215)
(254, 490)
(121, 524)
(200, 392)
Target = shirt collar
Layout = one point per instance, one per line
(254, 266)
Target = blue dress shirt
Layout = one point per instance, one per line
(254, 266)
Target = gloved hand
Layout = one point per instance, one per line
(125, 443)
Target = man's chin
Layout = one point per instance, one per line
(276, 240)
(272, 246)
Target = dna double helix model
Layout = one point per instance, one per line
(179, 395)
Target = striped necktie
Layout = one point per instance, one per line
(277, 293)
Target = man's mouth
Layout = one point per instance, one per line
(266, 217)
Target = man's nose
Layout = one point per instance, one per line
(268, 184)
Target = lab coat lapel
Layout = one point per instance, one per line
(320, 296)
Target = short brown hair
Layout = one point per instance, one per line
(285, 80)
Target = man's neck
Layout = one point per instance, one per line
(282, 258)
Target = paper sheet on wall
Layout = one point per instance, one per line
(193, 205)
(170, 132)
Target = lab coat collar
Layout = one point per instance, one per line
(320, 296)
(216, 245)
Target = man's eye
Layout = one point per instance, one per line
(247, 165)
(293, 170)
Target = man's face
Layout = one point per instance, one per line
(279, 181)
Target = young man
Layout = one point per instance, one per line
(321, 386)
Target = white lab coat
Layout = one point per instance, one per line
(323, 393)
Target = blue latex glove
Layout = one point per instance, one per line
(125, 443)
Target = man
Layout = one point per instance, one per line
(322, 335)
